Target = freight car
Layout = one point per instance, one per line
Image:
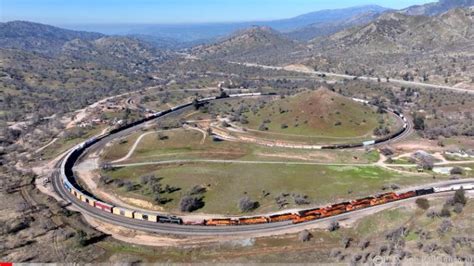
(104, 206)
(145, 216)
(123, 212)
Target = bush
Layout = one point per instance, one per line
(246, 204)
(81, 238)
(457, 170)
(460, 197)
(445, 212)
(197, 190)
(333, 226)
(305, 236)
(458, 207)
(190, 203)
(423, 203)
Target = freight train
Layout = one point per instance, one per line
(69, 183)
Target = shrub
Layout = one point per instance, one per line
(423, 203)
(457, 170)
(333, 226)
(246, 204)
(305, 236)
(190, 203)
(445, 212)
(460, 197)
(197, 190)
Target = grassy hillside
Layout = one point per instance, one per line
(319, 113)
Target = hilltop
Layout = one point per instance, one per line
(432, 9)
(319, 113)
(255, 43)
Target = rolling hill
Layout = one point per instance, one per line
(38, 37)
(315, 113)
(432, 9)
(256, 43)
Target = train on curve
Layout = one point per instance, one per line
(69, 183)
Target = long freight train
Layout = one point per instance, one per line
(69, 184)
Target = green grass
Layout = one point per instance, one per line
(227, 183)
(316, 114)
(187, 144)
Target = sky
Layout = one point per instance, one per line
(172, 11)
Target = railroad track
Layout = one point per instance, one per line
(68, 162)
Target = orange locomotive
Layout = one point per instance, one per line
(384, 198)
(253, 220)
(221, 221)
(407, 195)
(283, 217)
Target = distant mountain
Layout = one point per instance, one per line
(396, 32)
(256, 43)
(126, 52)
(421, 48)
(322, 17)
(39, 37)
(209, 32)
(437, 8)
(327, 28)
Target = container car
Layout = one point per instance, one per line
(88, 200)
(145, 216)
(123, 212)
(104, 206)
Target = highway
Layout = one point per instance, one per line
(184, 229)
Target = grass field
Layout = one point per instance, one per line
(227, 183)
(188, 144)
(288, 248)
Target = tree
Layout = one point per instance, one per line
(247, 205)
(457, 170)
(81, 238)
(191, 203)
(423, 203)
(333, 226)
(196, 104)
(419, 122)
(460, 197)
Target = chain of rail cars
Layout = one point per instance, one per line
(69, 183)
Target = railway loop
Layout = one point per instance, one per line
(65, 184)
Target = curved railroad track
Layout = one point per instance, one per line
(66, 175)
